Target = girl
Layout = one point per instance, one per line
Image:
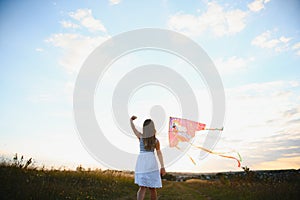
(147, 174)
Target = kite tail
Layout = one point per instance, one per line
(240, 157)
(239, 160)
(190, 157)
(239, 163)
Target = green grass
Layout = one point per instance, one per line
(21, 183)
(246, 190)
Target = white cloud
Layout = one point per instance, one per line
(260, 110)
(265, 40)
(114, 2)
(232, 64)
(75, 47)
(257, 114)
(217, 20)
(86, 19)
(296, 47)
(39, 49)
(67, 24)
(186, 23)
(257, 5)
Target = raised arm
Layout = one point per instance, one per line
(136, 132)
(160, 158)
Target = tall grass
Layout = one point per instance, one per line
(21, 180)
(18, 183)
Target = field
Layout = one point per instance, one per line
(25, 183)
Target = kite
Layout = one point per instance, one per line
(183, 130)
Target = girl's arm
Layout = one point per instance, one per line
(160, 158)
(136, 132)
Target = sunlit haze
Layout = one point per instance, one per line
(254, 44)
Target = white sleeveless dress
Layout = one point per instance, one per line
(147, 173)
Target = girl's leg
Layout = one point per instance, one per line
(153, 193)
(141, 193)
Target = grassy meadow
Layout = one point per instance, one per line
(19, 181)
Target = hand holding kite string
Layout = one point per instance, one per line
(183, 130)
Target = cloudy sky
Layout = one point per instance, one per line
(254, 44)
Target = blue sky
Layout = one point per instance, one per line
(254, 44)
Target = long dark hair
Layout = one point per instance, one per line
(149, 138)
